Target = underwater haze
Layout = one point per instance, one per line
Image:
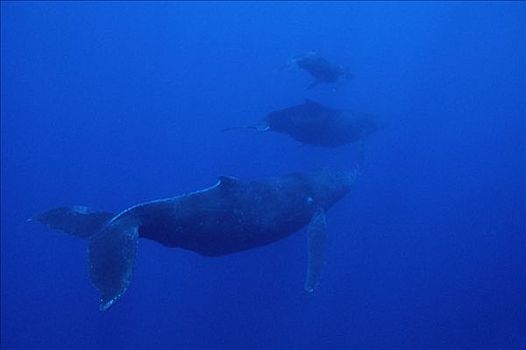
(112, 104)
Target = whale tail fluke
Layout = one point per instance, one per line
(78, 221)
(112, 246)
(112, 254)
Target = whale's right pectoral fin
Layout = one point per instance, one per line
(112, 255)
(316, 240)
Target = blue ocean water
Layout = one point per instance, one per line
(112, 104)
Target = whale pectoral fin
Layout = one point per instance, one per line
(316, 233)
(78, 221)
(112, 255)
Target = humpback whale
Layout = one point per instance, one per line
(315, 124)
(231, 216)
(320, 69)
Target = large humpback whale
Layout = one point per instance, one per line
(229, 217)
(315, 124)
(320, 69)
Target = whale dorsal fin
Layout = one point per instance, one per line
(227, 181)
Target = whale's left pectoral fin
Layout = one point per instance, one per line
(112, 255)
(316, 233)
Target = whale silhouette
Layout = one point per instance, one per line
(231, 216)
(320, 69)
(315, 124)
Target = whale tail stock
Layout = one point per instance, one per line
(112, 246)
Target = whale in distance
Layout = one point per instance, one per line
(320, 69)
(315, 124)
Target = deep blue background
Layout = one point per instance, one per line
(108, 105)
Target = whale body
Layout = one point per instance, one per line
(319, 125)
(320, 69)
(315, 124)
(229, 217)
